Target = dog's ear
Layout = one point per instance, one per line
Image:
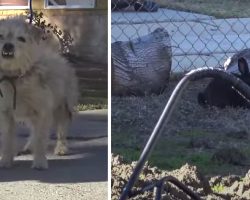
(243, 66)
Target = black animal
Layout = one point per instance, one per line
(221, 93)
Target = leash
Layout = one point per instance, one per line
(31, 12)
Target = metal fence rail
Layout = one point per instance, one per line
(197, 40)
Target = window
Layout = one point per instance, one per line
(70, 4)
(14, 4)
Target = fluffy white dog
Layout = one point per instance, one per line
(37, 86)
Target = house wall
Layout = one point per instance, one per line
(88, 27)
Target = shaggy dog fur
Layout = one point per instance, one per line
(46, 90)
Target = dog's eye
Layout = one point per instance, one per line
(21, 39)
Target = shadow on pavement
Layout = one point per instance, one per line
(86, 163)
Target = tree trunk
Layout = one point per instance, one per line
(141, 66)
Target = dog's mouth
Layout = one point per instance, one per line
(8, 50)
(8, 54)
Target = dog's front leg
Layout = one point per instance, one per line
(7, 126)
(39, 140)
(62, 129)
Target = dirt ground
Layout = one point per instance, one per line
(213, 140)
(142, 113)
(214, 188)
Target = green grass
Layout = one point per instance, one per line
(219, 9)
(171, 153)
(194, 134)
(126, 145)
(170, 160)
(84, 107)
(91, 103)
(219, 188)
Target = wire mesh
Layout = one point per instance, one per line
(197, 40)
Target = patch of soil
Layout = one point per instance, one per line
(234, 187)
(142, 113)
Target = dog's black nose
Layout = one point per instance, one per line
(8, 47)
(8, 50)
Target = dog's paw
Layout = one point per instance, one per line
(61, 149)
(6, 163)
(40, 164)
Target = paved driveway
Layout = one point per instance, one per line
(80, 175)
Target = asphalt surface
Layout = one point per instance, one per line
(80, 175)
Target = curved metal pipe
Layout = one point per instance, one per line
(177, 183)
(168, 110)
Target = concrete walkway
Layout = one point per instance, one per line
(80, 175)
(162, 15)
(196, 40)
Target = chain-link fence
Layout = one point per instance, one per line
(197, 40)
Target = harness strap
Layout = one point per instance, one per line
(11, 80)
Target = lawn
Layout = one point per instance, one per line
(175, 151)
